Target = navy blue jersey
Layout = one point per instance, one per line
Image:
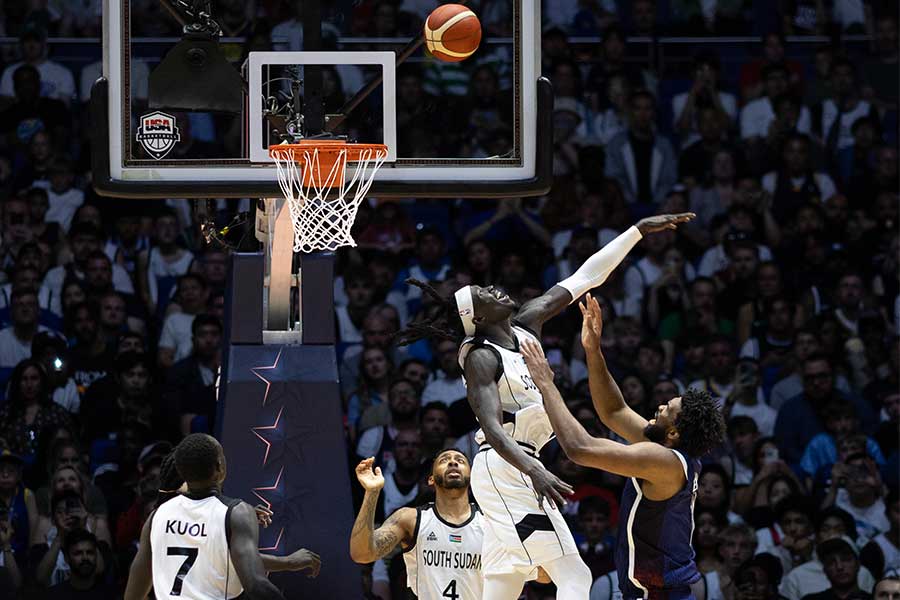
(654, 552)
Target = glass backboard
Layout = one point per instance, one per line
(479, 127)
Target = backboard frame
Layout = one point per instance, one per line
(258, 152)
(113, 175)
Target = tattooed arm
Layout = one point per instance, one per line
(368, 544)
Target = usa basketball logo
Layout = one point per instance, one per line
(158, 134)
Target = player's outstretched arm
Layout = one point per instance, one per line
(368, 544)
(140, 575)
(605, 393)
(594, 271)
(645, 460)
(245, 555)
(301, 560)
(481, 370)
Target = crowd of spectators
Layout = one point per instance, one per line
(782, 298)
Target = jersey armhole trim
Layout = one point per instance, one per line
(232, 502)
(415, 535)
(520, 325)
(684, 464)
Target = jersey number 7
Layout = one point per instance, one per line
(190, 555)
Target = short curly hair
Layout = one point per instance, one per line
(700, 425)
(197, 457)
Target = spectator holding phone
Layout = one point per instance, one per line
(746, 397)
(773, 480)
(68, 514)
(856, 487)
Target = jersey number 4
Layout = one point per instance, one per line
(190, 555)
(450, 591)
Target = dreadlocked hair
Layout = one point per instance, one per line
(700, 425)
(440, 321)
(170, 481)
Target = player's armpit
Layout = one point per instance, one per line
(538, 311)
(649, 461)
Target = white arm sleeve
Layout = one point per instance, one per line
(597, 268)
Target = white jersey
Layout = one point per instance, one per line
(524, 417)
(189, 544)
(445, 559)
(891, 555)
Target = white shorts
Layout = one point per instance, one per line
(520, 535)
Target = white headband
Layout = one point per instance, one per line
(466, 309)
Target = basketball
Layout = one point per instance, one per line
(452, 32)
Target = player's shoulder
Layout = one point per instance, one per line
(236, 508)
(481, 361)
(406, 515)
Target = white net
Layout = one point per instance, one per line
(322, 197)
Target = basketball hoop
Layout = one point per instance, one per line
(323, 201)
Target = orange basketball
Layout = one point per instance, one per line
(452, 32)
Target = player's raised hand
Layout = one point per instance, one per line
(263, 515)
(549, 487)
(662, 222)
(303, 560)
(591, 323)
(371, 479)
(537, 364)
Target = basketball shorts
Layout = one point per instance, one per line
(519, 534)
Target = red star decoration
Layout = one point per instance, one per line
(269, 488)
(263, 379)
(273, 427)
(277, 541)
(268, 504)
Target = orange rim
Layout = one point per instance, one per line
(328, 154)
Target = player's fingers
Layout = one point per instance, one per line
(551, 498)
(544, 498)
(564, 487)
(378, 471)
